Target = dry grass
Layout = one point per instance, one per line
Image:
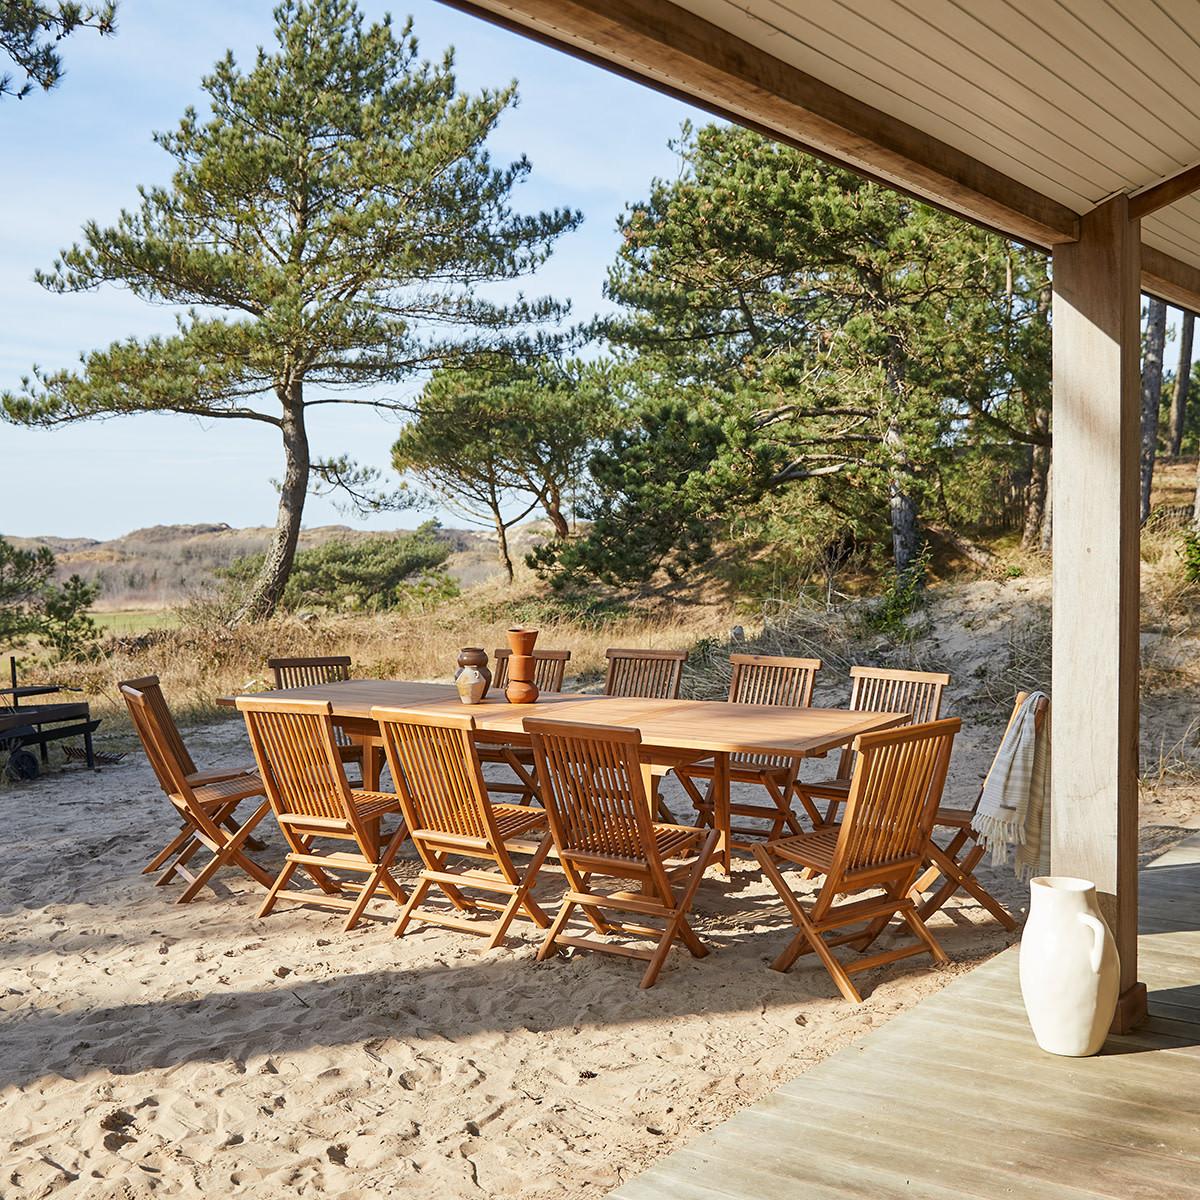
(201, 659)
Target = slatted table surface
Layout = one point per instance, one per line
(953, 1098)
(712, 726)
(673, 731)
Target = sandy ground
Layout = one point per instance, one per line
(154, 1049)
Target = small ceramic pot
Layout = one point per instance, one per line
(471, 685)
(475, 656)
(1070, 973)
(520, 641)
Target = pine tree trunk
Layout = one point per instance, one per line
(552, 503)
(277, 566)
(1152, 360)
(1183, 383)
(1037, 497)
(902, 506)
(502, 545)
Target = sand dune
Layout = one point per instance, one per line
(154, 1049)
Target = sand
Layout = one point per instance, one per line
(154, 1049)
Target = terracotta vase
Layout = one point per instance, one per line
(471, 685)
(521, 688)
(475, 656)
(520, 640)
(1070, 973)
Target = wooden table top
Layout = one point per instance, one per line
(714, 726)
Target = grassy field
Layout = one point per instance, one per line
(126, 622)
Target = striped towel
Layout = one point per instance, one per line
(1014, 809)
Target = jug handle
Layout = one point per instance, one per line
(1098, 929)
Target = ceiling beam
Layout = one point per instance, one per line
(1143, 203)
(1170, 279)
(667, 47)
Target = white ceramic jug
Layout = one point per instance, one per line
(471, 685)
(1070, 973)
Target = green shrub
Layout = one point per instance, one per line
(902, 598)
(1191, 555)
(366, 574)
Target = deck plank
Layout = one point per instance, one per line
(954, 1099)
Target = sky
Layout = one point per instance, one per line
(77, 153)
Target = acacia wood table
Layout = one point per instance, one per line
(674, 732)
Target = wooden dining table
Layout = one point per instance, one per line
(674, 732)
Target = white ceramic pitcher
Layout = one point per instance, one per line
(1070, 973)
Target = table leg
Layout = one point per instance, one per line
(372, 763)
(721, 815)
(648, 784)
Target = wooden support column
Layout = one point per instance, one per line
(1097, 422)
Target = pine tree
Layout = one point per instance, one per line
(30, 32)
(329, 228)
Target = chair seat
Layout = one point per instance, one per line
(220, 774)
(826, 789)
(240, 787)
(512, 820)
(369, 805)
(808, 849)
(670, 839)
(351, 753)
(954, 818)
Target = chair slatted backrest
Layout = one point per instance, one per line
(775, 680)
(898, 780)
(309, 672)
(437, 771)
(297, 756)
(881, 689)
(170, 772)
(772, 679)
(591, 785)
(549, 666)
(645, 674)
(164, 722)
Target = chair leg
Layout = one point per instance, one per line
(548, 946)
(230, 853)
(380, 874)
(171, 848)
(677, 926)
(919, 928)
(785, 817)
(414, 898)
(521, 898)
(959, 875)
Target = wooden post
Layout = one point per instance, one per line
(1097, 422)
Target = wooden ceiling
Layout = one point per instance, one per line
(1018, 114)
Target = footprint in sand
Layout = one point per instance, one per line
(117, 1123)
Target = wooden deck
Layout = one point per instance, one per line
(953, 1098)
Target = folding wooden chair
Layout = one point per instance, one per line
(954, 867)
(308, 672)
(168, 732)
(645, 674)
(875, 689)
(591, 784)
(300, 764)
(205, 804)
(444, 797)
(759, 679)
(882, 842)
(549, 666)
